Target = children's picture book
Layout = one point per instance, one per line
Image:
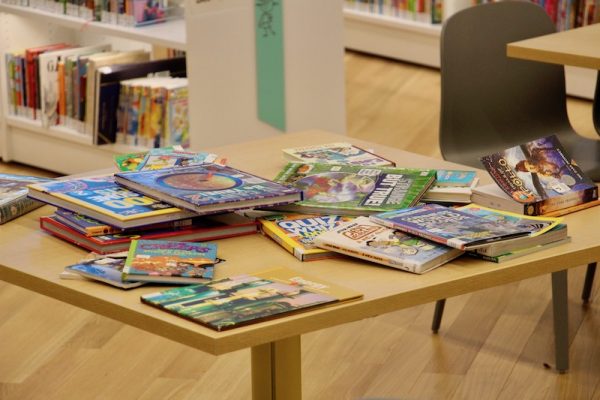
(107, 269)
(541, 175)
(296, 233)
(367, 240)
(13, 195)
(208, 188)
(353, 189)
(168, 261)
(83, 224)
(519, 253)
(335, 153)
(449, 226)
(240, 300)
(102, 199)
(207, 228)
(542, 229)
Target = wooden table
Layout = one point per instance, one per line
(32, 259)
(579, 47)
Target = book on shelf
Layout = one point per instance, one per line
(542, 229)
(208, 188)
(13, 195)
(452, 186)
(335, 153)
(109, 84)
(521, 252)
(240, 300)
(353, 189)
(541, 175)
(100, 198)
(367, 240)
(492, 196)
(296, 233)
(205, 228)
(107, 268)
(168, 261)
(449, 226)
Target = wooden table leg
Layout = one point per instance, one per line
(561, 320)
(276, 370)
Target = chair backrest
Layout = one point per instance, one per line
(490, 102)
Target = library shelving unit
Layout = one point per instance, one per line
(419, 42)
(218, 37)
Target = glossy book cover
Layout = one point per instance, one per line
(13, 186)
(336, 153)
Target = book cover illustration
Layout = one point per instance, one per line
(107, 269)
(370, 241)
(297, 232)
(161, 260)
(355, 189)
(454, 178)
(335, 153)
(154, 161)
(243, 299)
(208, 188)
(449, 226)
(103, 196)
(539, 170)
(13, 195)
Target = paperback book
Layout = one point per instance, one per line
(519, 253)
(353, 189)
(250, 298)
(102, 199)
(455, 178)
(208, 228)
(208, 188)
(449, 226)
(541, 175)
(370, 241)
(335, 153)
(167, 261)
(107, 269)
(296, 233)
(13, 195)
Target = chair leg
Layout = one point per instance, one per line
(588, 283)
(437, 315)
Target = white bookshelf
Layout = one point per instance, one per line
(221, 75)
(419, 42)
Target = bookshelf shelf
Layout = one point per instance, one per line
(419, 42)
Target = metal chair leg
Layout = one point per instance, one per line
(588, 283)
(437, 315)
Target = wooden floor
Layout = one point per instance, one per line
(494, 344)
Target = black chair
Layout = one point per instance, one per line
(490, 102)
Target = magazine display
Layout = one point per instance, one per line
(335, 153)
(367, 240)
(244, 299)
(296, 233)
(208, 188)
(449, 226)
(353, 189)
(541, 175)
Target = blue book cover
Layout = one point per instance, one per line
(455, 178)
(102, 199)
(170, 261)
(104, 269)
(208, 188)
(450, 226)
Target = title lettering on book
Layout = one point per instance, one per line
(173, 248)
(118, 198)
(308, 228)
(508, 172)
(391, 189)
(357, 232)
(429, 221)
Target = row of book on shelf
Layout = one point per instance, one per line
(111, 96)
(127, 13)
(566, 14)
(159, 218)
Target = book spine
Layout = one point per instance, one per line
(288, 247)
(14, 209)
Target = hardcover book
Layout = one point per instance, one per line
(102, 199)
(240, 300)
(541, 175)
(207, 228)
(449, 226)
(107, 269)
(208, 188)
(83, 224)
(353, 189)
(367, 240)
(13, 195)
(296, 233)
(335, 153)
(167, 261)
